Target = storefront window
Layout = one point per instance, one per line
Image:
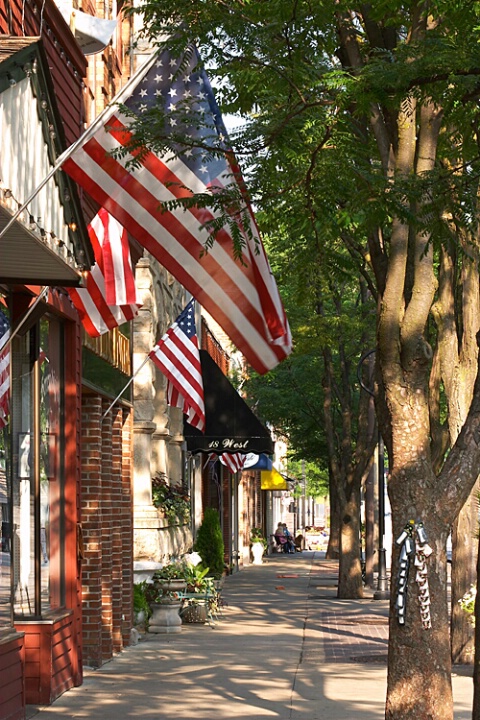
(37, 487)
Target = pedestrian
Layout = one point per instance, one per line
(280, 538)
(288, 535)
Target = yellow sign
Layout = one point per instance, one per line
(272, 480)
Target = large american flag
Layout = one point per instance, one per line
(240, 294)
(4, 369)
(97, 315)
(177, 356)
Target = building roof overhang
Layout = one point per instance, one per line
(48, 243)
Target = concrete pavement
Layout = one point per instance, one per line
(285, 649)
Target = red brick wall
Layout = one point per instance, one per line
(107, 530)
(91, 525)
(12, 683)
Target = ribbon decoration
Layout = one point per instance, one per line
(414, 545)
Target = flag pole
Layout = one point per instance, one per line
(25, 317)
(126, 386)
(83, 138)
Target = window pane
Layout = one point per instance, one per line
(5, 529)
(5, 469)
(51, 472)
(23, 480)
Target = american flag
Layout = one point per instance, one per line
(112, 238)
(233, 461)
(177, 356)
(4, 370)
(96, 314)
(241, 295)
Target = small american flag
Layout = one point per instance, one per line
(98, 316)
(233, 461)
(4, 370)
(177, 356)
(241, 295)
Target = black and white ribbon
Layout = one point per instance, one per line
(414, 547)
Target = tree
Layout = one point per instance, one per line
(315, 398)
(362, 121)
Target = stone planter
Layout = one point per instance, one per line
(165, 618)
(258, 550)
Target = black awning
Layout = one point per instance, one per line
(230, 424)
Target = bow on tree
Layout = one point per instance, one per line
(413, 543)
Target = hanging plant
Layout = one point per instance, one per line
(172, 500)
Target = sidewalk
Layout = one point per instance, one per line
(286, 649)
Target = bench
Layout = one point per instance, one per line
(210, 600)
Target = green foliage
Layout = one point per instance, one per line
(316, 478)
(171, 571)
(209, 543)
(256, 535)
(172, 500)
(467, 603)
(140, 601)
(198, 580)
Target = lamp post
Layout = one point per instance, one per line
(381, 592)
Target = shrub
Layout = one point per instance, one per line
(209, 542)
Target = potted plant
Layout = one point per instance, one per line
(141, 607)
(164, 598)
(197, 609)
(258, 544)
(171, 500)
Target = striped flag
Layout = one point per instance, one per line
(233, 461)
(96, 314)
(4, 369)
(177, 356)
(112, 238)
(240, 294)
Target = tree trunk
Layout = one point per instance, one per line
(333, 549)
(418, 688)
(476, 665)
(463, 577)
(350, 583)
(419, 660)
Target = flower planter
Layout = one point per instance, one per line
(165, 618)
(258, 550)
